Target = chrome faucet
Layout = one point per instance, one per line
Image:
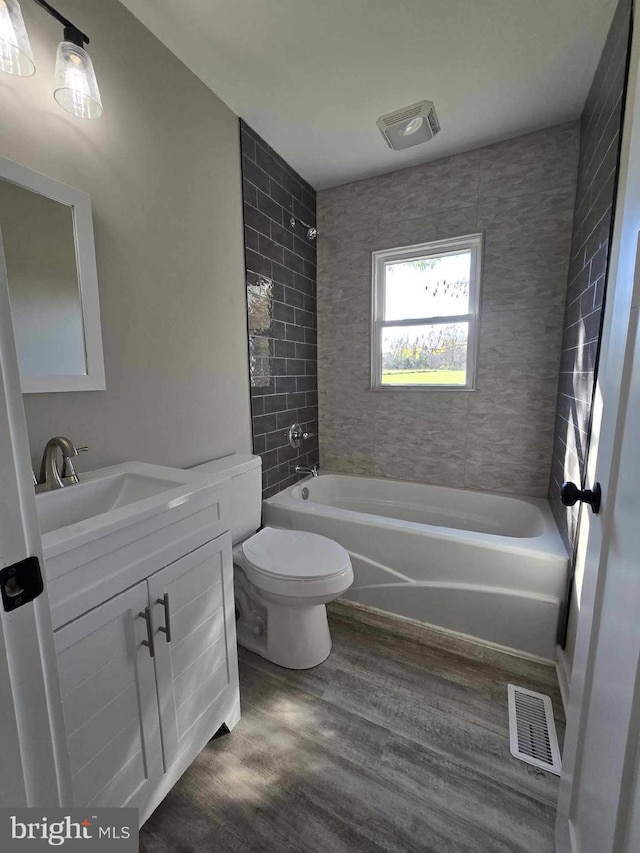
(51, 477)
(302, 469)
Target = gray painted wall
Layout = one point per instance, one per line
(520, 193)
(163, 170)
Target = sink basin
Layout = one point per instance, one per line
(111, 498)
(84, 500)
(119, 525)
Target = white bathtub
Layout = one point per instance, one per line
(490, 566)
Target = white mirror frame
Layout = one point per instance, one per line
(80, 204)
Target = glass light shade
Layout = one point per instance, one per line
(16, 56)
(75, 86)
(414, 126)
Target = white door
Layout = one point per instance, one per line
(108, 685)
(33, 769)
(194, 620)
(599, 803)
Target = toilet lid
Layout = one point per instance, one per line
(295, 554)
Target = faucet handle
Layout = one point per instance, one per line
(297, 435)
(68, 472)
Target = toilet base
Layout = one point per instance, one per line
(293, 637)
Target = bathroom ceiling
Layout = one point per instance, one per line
(312, 76)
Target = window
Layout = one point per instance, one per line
(425, 307)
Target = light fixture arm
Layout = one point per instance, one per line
(71, 32)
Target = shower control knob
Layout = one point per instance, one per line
(570, 494)
(297, 435)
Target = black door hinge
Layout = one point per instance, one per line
(20, 583)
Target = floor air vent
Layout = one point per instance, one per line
(532, 730)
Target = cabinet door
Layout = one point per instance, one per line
(196, 661)
(111, 715)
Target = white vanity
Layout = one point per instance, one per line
(140, 580)
(137, 557)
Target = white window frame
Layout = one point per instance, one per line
(472, 243)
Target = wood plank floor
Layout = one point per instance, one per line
(398, 742)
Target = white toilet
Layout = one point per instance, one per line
(283, 578)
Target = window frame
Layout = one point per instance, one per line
(438, 248)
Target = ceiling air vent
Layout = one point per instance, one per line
(410, 125)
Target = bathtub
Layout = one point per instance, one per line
(491, 567)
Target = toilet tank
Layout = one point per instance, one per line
(245, 472)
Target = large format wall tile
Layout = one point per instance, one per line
(517, 439)
(510, 478)
(529, 164)
(517, 389)
(439, 226)
(347, 208)
(520, 194)
(438, 186)
(527, 337)
(413, 445)
(525, 251)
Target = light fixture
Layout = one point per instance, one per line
(75, 85)
(16, 56)
(414, 126)
(410, 125)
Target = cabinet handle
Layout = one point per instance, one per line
(167, 616)
(146, 615)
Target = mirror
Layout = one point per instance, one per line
(49, 252)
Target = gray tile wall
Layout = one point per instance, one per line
(600, 129)
(281, 305)
(520, 193)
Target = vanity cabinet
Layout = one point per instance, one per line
(108, 684)
(148, 677)
(194, 615)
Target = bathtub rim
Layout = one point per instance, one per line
(547, 546)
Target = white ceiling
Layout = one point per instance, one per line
(312, 76)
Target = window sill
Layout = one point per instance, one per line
(387, 388)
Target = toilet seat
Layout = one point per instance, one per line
(294, 562)
(295, 554)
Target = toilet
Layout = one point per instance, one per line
(283, 579)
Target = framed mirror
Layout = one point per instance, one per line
(47, 233)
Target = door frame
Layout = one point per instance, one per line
(34, 770)
(603, 463)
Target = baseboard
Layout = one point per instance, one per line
(563, 669)
(423, 632)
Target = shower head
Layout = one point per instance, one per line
(310, 232)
